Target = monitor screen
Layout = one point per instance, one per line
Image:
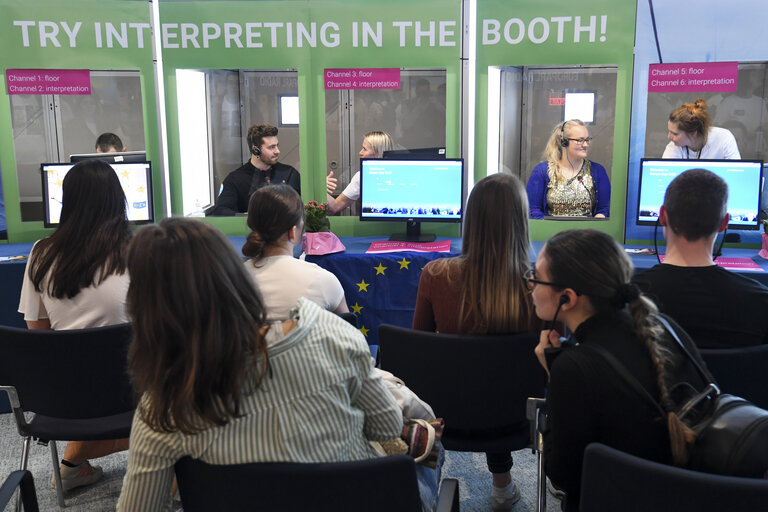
(414, 154)
(744, 179)
(127, 156)
(412, 190)
(135, 178)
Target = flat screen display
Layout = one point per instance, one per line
(418, 190)
(744, 179)
(127, 156)
(135, 178)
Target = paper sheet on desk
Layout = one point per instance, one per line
(741, 264)
(387, 246)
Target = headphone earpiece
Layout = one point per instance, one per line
(564, 299)
(563, 141)
(255, 150)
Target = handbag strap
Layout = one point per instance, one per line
(704, 374)
(622, 371)
(430, 438)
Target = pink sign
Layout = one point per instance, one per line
(48, 81)
(362, 78)
(738, 264)
(693, 77)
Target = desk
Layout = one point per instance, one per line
(379, 288)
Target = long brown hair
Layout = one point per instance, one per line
(197, 347)
(495, 253)
(602, 271)
(272, 212)
(90, 242)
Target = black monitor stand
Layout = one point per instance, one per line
(412, 233)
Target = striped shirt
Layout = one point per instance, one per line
(321, 403)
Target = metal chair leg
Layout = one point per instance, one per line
(57, 474)
(535, 414)
(24, 462)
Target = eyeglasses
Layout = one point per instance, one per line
(587, 141)
(530, 279)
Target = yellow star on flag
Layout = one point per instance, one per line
(362, 286)
(364, 331)
(404, 264)
(380, 269)
(59, 183)
(140, 189)
(357, 308)
(125, 174)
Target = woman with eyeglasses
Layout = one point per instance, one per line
(588, 400)
(482, 291)
(568, 183)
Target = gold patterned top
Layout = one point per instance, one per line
(573, 197)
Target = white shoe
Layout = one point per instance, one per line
(502, 498)
(78, 476)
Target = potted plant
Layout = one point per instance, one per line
(317, 238)
(763, 219)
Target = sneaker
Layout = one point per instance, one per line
(78, 476)
(558, 494)
(502, 498)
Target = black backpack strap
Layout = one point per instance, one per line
(705, 375)
(627, 377)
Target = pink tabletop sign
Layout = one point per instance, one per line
(362, 78)
(693, 77)
(48, 81)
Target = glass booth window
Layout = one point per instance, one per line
(413, 116)
(213, 139)
(50, 128)
(527, 106)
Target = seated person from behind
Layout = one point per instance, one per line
(374, 146)
(222, 384)
(261, 170)
(692, 135)
(483, 291)
(718, 308)
(109, 143)
(567, 183)
(582, 278)
(276, 219)
(76, 279)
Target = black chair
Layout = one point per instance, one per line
(375, 485)
(350, 317)
(478, 384)
(23, 481)
(740, 371)
(614, 480)
(74, 381)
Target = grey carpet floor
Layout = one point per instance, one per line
(469, 468)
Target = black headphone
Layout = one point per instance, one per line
(563, 141)
(564, 299)
(255, 150)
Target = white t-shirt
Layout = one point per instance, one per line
(353, 189)
(283, 279)
(721, 145)
(95, 306)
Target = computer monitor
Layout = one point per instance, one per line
(135, 178)
(414, 154)
(125, 156)
(413, 191)
(744, 179)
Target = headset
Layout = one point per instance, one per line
(563, 141)
(255, 150)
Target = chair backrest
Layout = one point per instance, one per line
(614, 480)
(68, 374)
(374, 485)
(740, 371)
(349, 317)
(477, 383)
